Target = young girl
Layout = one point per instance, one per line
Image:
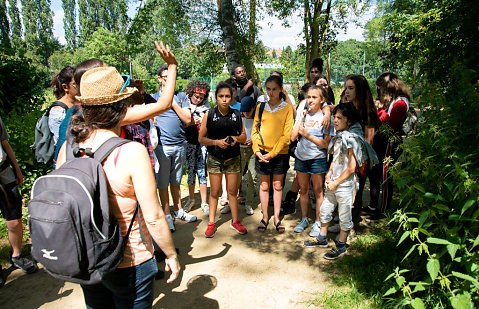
(221, 131)
(392, 110)
(197, 92)
(349, 149)
(270, 137)
(311, 154)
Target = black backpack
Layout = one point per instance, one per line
(44, 146)
(74, 235)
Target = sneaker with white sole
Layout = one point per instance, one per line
(335, 228)
(183, 215)
(302, 225)
(315, 229)
(322, 242)
(171, 225)
(226, 209)
(248, 209)
(335, 253)
(206, 208)
(189, 204)
(238, 227)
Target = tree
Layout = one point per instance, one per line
(38, 21)
(319, 21)
(69, 23)
(15, 24)
(226, 17)
(4, 25)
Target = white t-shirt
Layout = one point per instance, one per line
(248, 127)
(340, 164)
(306, 149)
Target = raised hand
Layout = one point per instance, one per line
(166, 53)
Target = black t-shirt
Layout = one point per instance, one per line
(220, 126)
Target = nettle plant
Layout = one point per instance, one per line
(437, 220)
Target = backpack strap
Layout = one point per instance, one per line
(260, 115)
(56, 103)
(107, 147)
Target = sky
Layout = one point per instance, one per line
(272, 33)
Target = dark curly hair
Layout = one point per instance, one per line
(349, 111)
(191, 87)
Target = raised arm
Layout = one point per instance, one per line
(144, 112)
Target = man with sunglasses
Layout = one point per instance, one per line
(171, 152)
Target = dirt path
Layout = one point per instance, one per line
(257, 270)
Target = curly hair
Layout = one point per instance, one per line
(193, 85)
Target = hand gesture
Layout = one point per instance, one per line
(166, 53)
(326, 122)
(221, 143)
(248, 142)
(261, 157)
(331, 185)
(249, 83)
(302, 131)
(172, 264)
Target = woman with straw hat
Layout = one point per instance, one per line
(104, 100)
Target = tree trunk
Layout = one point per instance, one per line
(314, 24)
(226, 13)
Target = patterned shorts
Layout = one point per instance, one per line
(196, 163)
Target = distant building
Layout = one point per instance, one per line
(276, 53)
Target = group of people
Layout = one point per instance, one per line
(244, 138)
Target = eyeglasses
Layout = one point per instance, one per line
(164, 77)
(126, 78)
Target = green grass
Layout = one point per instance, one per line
(358, 278)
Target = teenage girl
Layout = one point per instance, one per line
(221, 131)
(271, 137)
(393, 106)
(311, 154)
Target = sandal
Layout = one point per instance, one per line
(279, 228)
(263, 228)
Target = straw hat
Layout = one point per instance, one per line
(101, 86)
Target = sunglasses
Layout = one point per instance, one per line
(126, 78)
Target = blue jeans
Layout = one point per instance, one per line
(130, 287)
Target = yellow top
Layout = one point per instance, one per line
(275, 129)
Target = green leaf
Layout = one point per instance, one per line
(391, 291)
(419, 287)
(441, 206)
(467, 205)
(400, 280)
(438, 241)
(417, 303)
(476, 242)
(409, 252)
(403, 236)
(465, 277)
(419, 188)
(433, 267)
(452, 249)
(461, 301)
(434, 196)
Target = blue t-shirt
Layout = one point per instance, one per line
(236, 106)
(171, 131)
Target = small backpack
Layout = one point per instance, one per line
(44, 146)
(74, 235)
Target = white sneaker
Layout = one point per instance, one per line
(334, 228)
(301, 225)
(315, 229)
(248, 209)
(169, 219)
(206, 208)
(183, 215)
(225, 209)
(189, 204)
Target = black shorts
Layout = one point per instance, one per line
(10, 199)
(279, 165)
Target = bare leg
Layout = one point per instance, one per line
(191, 191)
(15, 233)
(343, 236)
(215, 188)
(165, 200)
(176, 195)
(277, 195)
(203, 190)
(232, 188)
(303, 181)
(264, 195)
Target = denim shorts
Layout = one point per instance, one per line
(314, 166)
(171, 159)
